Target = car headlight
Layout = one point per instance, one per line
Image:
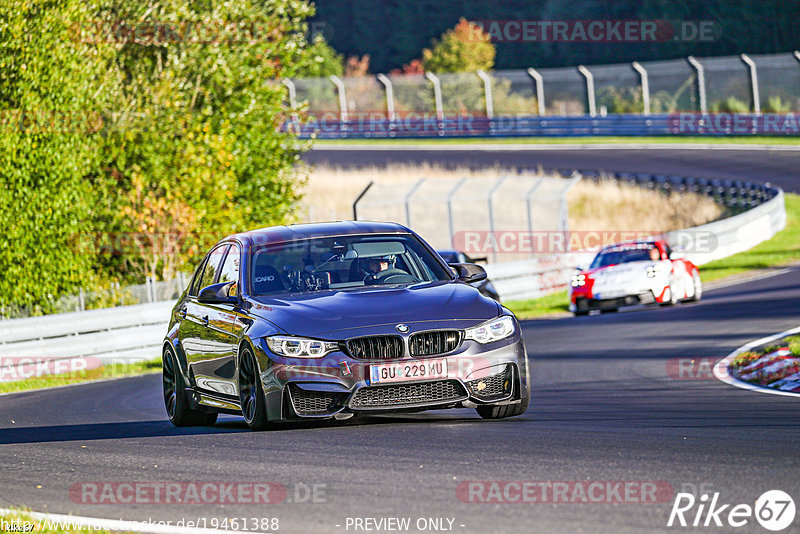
(653, 270)
(494, 330)
(298, 347)
(578, 280)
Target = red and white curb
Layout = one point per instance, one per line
(721, 367)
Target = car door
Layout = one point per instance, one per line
(206, 335)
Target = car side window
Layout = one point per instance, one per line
(230, 269)
(195, 284)
(211, 268)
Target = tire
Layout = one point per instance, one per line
(251, 394)
(672, 298)
(698, 287)
(176, 401)
(580, 313)
(610, 310)
(508, 410)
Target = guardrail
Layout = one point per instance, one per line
(123, 334)
(131, 333)
(677, 124)
(762, 215)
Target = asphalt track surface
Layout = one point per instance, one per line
(605, 407)
(780, 167)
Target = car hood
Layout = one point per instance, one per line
(622, 269)
(314, 314)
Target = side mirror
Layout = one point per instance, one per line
(469, 272)
(218, 294)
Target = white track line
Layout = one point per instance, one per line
(70, 521)
(721, 367)
(520, 147)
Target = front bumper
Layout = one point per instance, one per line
(339, 385)
(584, 304)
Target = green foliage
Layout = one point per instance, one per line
(729, 105)
(465, 48)
(776, 105)
(46, 161)
(324, 61)
(620, 100)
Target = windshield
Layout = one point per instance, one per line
(342, 263)
(616, 256)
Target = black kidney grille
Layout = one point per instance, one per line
(376, 347)
(434, 342)
(492, 387)
(400, 395)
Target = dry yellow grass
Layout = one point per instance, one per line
(605, 205)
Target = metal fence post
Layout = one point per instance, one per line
(450, 196)
(589, 89)
(389, 92)
(489, 196)
(487, 93)
(292, 101)
(81, 300)
(407, 200)
(342, 97)
(358, 199)
(528, 197)
(563, 207)
(539, 82)
(753, 83)
(701, 83)
(644, 83)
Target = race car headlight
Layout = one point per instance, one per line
(494, 330)
(653, 270)
(298, 347)
(578, 280)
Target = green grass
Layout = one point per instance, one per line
(746, 140)
(115, 370)
(782, 249)
(547, 305)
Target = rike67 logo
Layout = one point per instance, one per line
(774, 510)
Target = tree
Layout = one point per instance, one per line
(465, 48)
(52, 91)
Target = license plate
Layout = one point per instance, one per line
(407, 371)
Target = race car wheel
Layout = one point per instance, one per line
(176, 400)
(580, 313)
(670, 297)
(610, 310)
(698, 287)
(251, 395)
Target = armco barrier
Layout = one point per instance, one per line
(678, 124)
(764, 215)
(131, 333)
(122, 334)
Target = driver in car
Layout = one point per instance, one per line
(655, 254)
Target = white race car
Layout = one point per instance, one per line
(642, 272)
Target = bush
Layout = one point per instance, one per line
(729, 105)
(191, 146)
(465, 48)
